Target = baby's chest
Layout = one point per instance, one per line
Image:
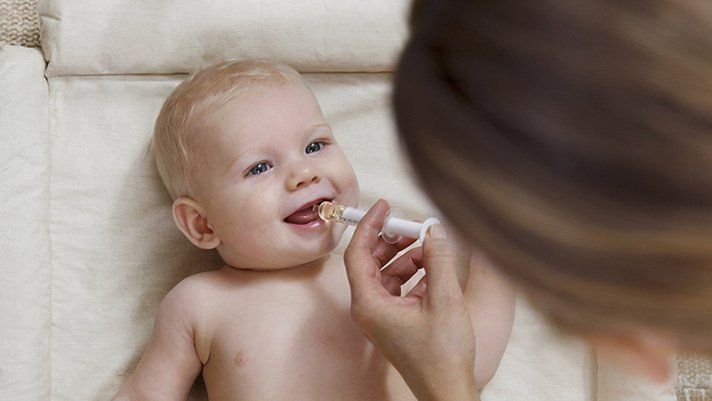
(307, 351)
(281, 341)
(298, 334)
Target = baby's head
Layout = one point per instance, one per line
(244, 151)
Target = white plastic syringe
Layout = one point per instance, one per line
(394, 227)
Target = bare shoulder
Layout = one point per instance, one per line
(187, 311)
(197, 283)
(193, 294)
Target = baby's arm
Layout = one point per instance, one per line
(490, 299)
(170, 363)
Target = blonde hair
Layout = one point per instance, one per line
(572, 142)
(182, 120)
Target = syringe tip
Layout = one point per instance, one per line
(328, 211)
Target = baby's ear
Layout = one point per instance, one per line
(190, 218)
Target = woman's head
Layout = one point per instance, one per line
(572, 142)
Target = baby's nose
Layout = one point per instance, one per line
(302, 176)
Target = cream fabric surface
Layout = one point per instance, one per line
(177, 36)
(25, 296)
(88, 248)
(115, 252)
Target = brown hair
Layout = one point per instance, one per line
(181, 121)
(572, 142)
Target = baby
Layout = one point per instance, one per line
(245, 152)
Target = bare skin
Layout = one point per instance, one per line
(257, 336)
(279, 335)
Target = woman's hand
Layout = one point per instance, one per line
(427, 335)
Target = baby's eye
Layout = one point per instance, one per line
(259, 168)
(315, 147)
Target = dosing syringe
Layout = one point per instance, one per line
(394, 226)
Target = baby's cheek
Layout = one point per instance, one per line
(246, 230)
(255, 245)
(351, 190)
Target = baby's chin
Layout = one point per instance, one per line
(281, 255)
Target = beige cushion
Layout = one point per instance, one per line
(159, 37)
(25, 264)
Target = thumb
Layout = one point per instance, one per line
(440, 263)
(361, 268)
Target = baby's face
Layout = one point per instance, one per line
(269, 158)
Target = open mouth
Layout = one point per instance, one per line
(304, 215)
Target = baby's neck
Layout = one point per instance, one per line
(324, 274)
(308, 270)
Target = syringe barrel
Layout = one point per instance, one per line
(352, 215)
(395, 226)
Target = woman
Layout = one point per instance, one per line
(571, 142)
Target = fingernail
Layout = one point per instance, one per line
(437, 231)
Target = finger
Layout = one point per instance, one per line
(401, 270)
(367, 230)
(440, 263)
(362, 268)
(384, 252)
